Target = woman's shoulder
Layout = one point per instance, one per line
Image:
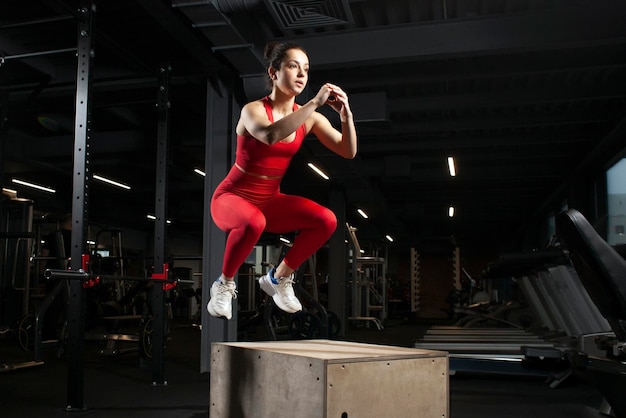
(254, 105)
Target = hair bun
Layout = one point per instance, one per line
(268, 54)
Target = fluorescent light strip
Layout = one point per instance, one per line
(200, 172)
(363, 214)
(10, 191)
(283, 239)
(451, 166)
(33, 186)
(389, 238)
(318, 171)
(153, 218)
(111, 182)
(451, 211)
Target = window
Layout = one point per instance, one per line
(616, 190)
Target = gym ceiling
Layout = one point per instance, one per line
(526, 95)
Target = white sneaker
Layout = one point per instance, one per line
(281, 290)
(222, 294)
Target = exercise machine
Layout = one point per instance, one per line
(16, 240)
(491, 342)
(368, 285)
(601, 357)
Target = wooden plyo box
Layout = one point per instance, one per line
(327, 379)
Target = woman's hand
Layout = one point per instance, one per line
(338, 100)
(343, 142)
(323, 95)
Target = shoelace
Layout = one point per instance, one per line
(222, 289)
(287, 284)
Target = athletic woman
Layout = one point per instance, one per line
(249, 201)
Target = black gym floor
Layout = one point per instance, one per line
(120, 387)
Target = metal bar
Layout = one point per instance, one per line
(80, 200)
(231, 47)
(66, 274)
(14, 235)
(83, 275)
(37, 54)
(160, 211)
(186, 257)
(209, 25)
(37, 22)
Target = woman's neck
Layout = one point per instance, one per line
(281, 103)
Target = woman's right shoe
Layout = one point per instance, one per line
(281, 290)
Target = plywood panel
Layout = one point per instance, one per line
(322, 378)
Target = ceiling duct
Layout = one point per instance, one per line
(234, 6)
(300, 14)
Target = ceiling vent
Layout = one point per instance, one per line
(300, 14)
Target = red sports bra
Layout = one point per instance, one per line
(255, 157)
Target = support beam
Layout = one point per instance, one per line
(337, 261)
(160, 233)
(218, 154)
(80, 206)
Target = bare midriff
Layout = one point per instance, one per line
(259, 176)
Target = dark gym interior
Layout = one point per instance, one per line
(490, 167)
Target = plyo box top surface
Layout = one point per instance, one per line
(330, 350)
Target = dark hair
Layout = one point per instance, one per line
(275, 54)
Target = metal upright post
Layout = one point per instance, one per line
(4, 103)
(337, 256)
(217, 162)
(80, 193)
(160, 207)
(3, 124)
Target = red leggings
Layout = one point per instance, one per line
(245, 212)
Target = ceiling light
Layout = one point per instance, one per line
(389, 238)
(111, 182)
(200, 172)
(363, 214)
(451, 166)
(451, 211)
(153, 218)
(33, 186)
(285, 240)
(318, 171)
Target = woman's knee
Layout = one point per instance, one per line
(256, 224)
(329, 221)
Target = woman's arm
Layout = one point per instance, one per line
(343, 143)
(254, 122)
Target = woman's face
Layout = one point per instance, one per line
(293, 73)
